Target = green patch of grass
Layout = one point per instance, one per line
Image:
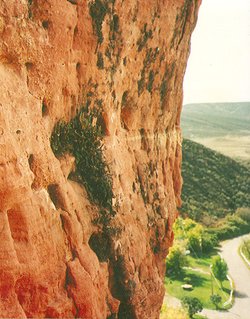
(246, 249)
(202, 263)
(199, 317)
(202, 288)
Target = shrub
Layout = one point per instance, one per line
(244, 214)
(175, 261)
(187, 280)
(233, 226)
(193, 305)
(209, 242)
(216, 299)
(219, 268)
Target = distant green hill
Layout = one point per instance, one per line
(213, 183)
(215, 119)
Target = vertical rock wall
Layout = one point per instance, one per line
(63, 254)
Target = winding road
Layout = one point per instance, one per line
(240, 274)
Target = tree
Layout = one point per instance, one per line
(244, 213)
(220, 269)
(194, 242)
(175, 261)
(209, 242)
(192, 305)
(215, 299)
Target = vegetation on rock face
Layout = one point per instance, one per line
(145, 35)
(146, 73)
(98, 10)
(214, 184)
(81, 137)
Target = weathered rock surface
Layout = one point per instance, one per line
(129, 58)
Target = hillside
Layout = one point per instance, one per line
(213, 183)
(216, 119)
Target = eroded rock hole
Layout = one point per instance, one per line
(69, 279)
(29, 66)
(124, 98)
(73, 1)
(100, 244)
(31, 160)
(29, 8)
(55, 195)
(45, 24)
(45, 110)
(18, 225)
(75, 31)
(78, 66)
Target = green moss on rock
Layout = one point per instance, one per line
(82, 139)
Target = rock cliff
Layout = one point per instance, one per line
(91, 95)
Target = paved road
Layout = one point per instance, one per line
(241, 277)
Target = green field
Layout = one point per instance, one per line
(203, 283)
(201, 263)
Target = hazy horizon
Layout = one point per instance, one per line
(216, 102)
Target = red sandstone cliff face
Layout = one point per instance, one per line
(58, 256)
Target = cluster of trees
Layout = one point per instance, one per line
(233, 225)
(176, 260)
(196, 238)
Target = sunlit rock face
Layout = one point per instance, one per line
(62, 252)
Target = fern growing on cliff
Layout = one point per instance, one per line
(81, 138)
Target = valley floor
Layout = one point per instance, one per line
(237, 147)
(241, 277)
